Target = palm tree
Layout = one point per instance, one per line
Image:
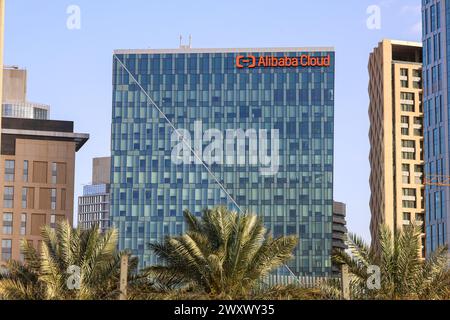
(20, 282)
(403, 274)
(46, 274)
(224, 254)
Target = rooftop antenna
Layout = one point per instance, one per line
(185, 46)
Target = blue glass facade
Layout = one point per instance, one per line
(94, 189)
(436, 38)
(150, 192)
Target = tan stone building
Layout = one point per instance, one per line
(101, 170)
(37, 166)
(2, 30)
(15, 103)
(396, 136)
(14, 84)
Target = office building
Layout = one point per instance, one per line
(339, 226)
(340, 232)
(396, 137)
(15, 104)
(93, 205)
(436, 37)
(285, 91)
(37, 165)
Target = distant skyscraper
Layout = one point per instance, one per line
(396, 137)
(436, 62)
(93, 205)
(15, 104)
(339, 225)
(340, 232)
(224, 90)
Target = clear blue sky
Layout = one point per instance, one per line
(71, 69)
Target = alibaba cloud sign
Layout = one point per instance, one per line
(305, 60)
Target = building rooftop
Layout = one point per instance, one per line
(403, 51)
(39, 129)
(406, 43)
(187, 49)
(26, 110)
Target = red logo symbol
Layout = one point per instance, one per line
(243, 61)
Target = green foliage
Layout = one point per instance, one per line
(43, 275)
(223, 254)
(403, 273)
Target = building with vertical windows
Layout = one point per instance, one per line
(396, 137)
(93, 205)
(217, 91)
(37, 165)
(436, 39)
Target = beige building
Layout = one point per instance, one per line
(101, 170)
(37, 168)
(14, 84)
(38, 165)
(2, 30)
(396, 137)
(15, 103)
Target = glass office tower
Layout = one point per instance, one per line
(436, 38)
(224, 89)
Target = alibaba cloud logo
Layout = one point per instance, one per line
(245, 61)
